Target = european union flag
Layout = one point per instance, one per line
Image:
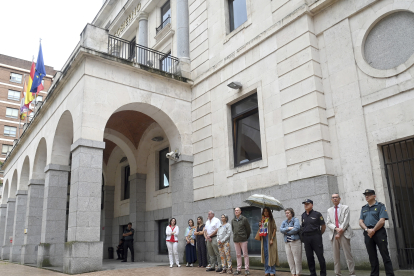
(39, 73)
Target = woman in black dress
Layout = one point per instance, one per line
(201, 243)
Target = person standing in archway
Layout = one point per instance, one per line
(172, 231)
(128, 242)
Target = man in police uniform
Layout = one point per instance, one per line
(313, 226)
(372, 220)
(128, 242)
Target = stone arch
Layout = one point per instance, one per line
(13, 185)
(5, 194)
(24, 174)
(39, 163)
(62, 140)
(125, 145)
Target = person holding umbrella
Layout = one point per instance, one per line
(267, 233)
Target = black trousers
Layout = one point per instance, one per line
(120, 253)
(314, 244)
(379, 240)
(201, 252)
(129, 244)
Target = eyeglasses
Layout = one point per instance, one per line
(335, 197)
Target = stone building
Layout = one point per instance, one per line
(12, 73)
(292, 98)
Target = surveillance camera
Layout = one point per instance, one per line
(173, 155)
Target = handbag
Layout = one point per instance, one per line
(257, 237)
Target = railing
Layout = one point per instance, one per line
(163, 24)
(131, 51)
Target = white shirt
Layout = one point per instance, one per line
(212, 225)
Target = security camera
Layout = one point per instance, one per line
(173, 155)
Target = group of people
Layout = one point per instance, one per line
(212, 238)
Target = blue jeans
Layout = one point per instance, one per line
(268, 269)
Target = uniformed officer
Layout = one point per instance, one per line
(372, 220)
(313, 226)
(128, 242)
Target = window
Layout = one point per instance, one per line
(12, 112)
(162, 246)
(165, 11)
(17, 78)
(6, 148)
(246, 131)
(253, 215)
(10, 131)
(164, 174)
(13, 95)
(125, 178)
(237, 13)
(165, 62)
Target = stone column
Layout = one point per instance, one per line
(18, 227)
(3, 211)
(52, 240)
(183, 37)
(8, 229)
(142, 37)
(84, 250)
(137, 208)
(108, 217)
(33, 222)
(181, 181)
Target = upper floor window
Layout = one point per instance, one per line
(12, 112)
(238, 13)
(17, 78)
(13, 95)
(125, 184)
(6, 148)
(246, 131)
(165, 11)
(10, 131)
(164, 173)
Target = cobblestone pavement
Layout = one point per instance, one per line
(18, 270)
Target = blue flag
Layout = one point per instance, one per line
(39, 73)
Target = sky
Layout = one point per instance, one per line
(57, 22)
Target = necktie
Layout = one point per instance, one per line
(336, 217)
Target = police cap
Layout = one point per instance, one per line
(368, 191)
(307, 201)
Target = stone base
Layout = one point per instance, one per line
(29, 254)
(81, 257)
(5, 252)
(15, 253)
(50, 255)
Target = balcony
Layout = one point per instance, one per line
(163, 24)
(147, 57)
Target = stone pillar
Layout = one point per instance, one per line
(33, 222)
(183, 37)
(18, 227)
(8, 229)
(137, 208)
(3, 211)
(84, 250)
(108, 217)
(52, 240)
(142, 34)
(181, 181)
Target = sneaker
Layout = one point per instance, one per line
(219, 269)
(178, 265)
(187, 265)
(191, 265)
(237, 272)
(246, 272)
(210, 269)
(170, 266)
(208, 266)
(230, 271)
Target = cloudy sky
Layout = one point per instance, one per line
(58, 22)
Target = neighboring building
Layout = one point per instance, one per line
(325, 105)
(12, 74)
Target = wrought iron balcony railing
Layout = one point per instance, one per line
(131, 51)
(163, 24)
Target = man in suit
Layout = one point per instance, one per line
(340, 234)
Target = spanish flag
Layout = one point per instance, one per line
(29, 97)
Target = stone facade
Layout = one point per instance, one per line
(324, 114)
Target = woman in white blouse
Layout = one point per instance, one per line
(172, 241)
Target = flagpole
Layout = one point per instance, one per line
(20, 117)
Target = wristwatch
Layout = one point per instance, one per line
(366, 230)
